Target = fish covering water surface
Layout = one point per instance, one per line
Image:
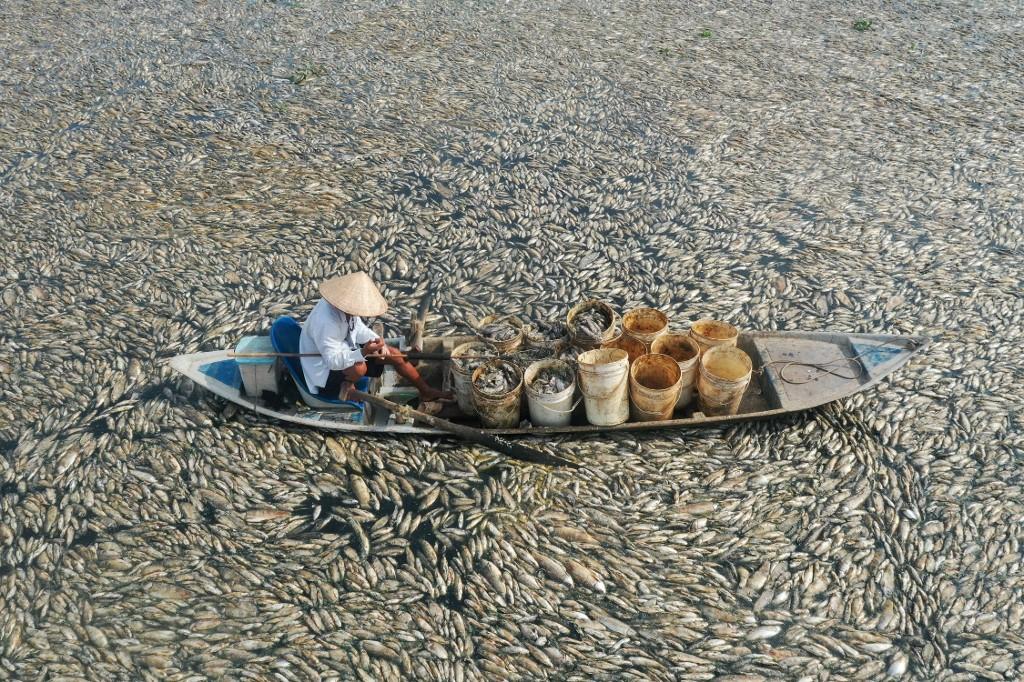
(175, 175)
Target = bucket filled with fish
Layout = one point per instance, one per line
(497, 392)
(524, 357)
(550, 387)
(644, 325)
(633, 348)
(684, 350)
(544, 334)
(724, 377)
(710, 333)
(465, 359)
(590, 324)
(653, 387)
(504, 332)
(604, 383)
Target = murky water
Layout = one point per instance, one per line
(173, 178)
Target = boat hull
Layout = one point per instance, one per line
(788, 379)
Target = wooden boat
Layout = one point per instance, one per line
(793, 371)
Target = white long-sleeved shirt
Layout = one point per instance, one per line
(337, 337)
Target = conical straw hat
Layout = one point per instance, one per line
(355, 294)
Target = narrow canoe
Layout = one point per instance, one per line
(779, 386)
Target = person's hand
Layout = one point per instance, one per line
(373, 347)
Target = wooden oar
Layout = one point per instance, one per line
(418, 325)
(498, 443)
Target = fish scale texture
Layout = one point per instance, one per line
(174, 176)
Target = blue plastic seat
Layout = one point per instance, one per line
(284, 335)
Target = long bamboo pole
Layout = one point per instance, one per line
(498, 443)
(411, 355)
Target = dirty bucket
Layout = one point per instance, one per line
(581, 340)
(653, 387)
(685, 351)
(550, 409)
(644, 325)
(724, 376)
(544, 335)
(508, 344)
(604, 382)
(633, 347)
(498, 411)
(710, 333)
(462, 379)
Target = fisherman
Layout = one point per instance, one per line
(348, 349)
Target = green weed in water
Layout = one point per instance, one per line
(862, 24)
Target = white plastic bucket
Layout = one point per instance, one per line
(549, 409)
(604, 382)
(653, 387)
(711, 333)
(685, 351)
(462, 380)
(724, 377)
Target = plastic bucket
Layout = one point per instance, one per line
(644, 325)
(604, 382)
(653, 387)
(549, 409)
(502, 346)
(711, 333)
(462, 380)
(501, 411)
(534, 338)
(724, 377)
(633, 347)
(685, 351)
(584, 342)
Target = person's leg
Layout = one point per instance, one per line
(333, 386)
(351, 375)
(410, 374)
(355, 372)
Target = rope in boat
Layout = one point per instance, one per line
(824, 367)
